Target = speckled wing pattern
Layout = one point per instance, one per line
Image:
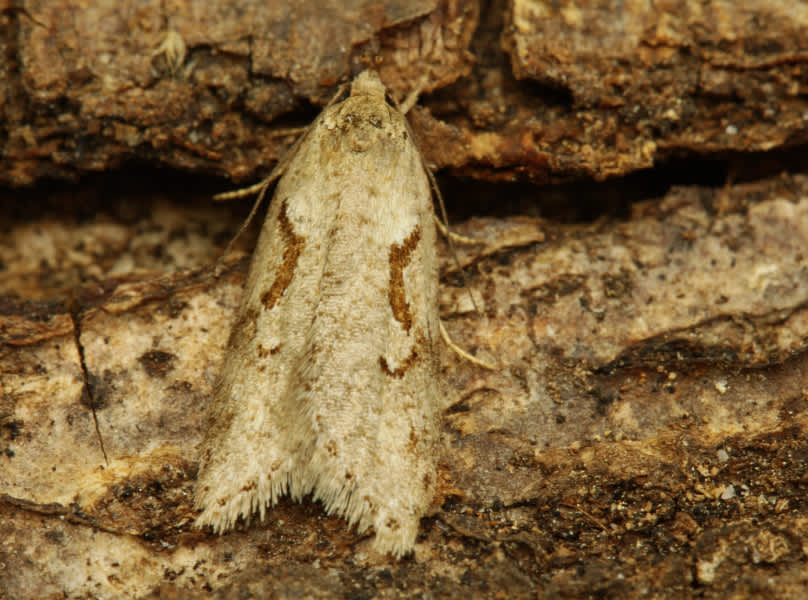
(329, 385)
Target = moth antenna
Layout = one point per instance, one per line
(445, 230)
(444, 227)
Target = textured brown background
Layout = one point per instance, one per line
(645, 432)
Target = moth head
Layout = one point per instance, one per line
(367, 83)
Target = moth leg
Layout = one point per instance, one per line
(240, 193)
(261, 188)
(455, 237)
(462, 353)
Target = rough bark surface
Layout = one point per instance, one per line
(644, 433)
(545, 91)
(207, 87)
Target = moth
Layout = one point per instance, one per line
(330, 380)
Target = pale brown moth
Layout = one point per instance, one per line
(330, 381)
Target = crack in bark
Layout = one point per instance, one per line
(86, 392)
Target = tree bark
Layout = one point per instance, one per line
(644, 432)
